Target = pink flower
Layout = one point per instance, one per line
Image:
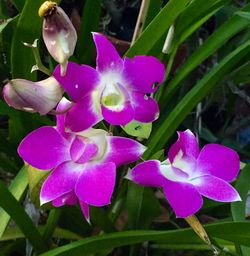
(117, 91)
(83, 164)
(189, 173)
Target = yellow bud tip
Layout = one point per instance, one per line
(46, 7)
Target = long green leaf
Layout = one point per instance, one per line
(230, 231)
(158, 27)
(19, 4)
(230, 28)
(191, 16)
(17, 213)
(17, 189)
(5, 23)
(90, 21)
(193, 97)
(14, 233)
(153, 9)
(238, 209)
(28, 29)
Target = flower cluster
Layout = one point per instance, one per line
(83, 160)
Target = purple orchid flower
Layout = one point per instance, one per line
(117, 90)
(189, 173)
(84, 164)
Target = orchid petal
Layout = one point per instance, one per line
(184, 198)
(66, 199)
(82, 115)
(123, 150)
(44, 148)
(30, 96)
(107, 56)
(63, 105)
(62, 180)
(96, 184)
(120, 116)
(81, 151)
(216, 189)
(97, 136)
(186, 144)
(78, 81)
(147, 174)
(143, 72)
(219, 161)
(85, 210)
(146, 108)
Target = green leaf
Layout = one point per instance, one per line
(51, 223)
(85, 47)
(153, 9)
(15, 233)
(166, 129)
(26, 31)
(158, 27)
(134, 204)
(100, 218)
(4, 23)
(18, 214)
(138, 129)
(238, 209)
(17, 189)
(230, 231)
(19, 4)
(191, 19)
(36, 178)
(216, 40)
(243, 14)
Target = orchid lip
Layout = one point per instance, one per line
(112, 97)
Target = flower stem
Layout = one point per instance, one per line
(140, 20)
(39, 65)
(195, 224)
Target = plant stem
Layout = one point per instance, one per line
(140, 20)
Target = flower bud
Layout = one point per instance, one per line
(59, 34)
(30, 96)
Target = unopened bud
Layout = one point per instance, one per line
(59, 33)
(30, 96)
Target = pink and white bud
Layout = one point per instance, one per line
(30, 96)
(59, 34)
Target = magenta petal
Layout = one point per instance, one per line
(85, 211)
(147, 174)
(187, 143)
(216, 189)
(123, 150)
(81, 151)
(107, 56)
(66, 199)
(143, 72)
(62, 180)
(82, 115)
(184, 198)
(146, 108)
(96, 184)
(44, 148)
(219, 161)
(63, 106)
(78, 81)
(118, 117)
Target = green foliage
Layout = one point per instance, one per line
(207, 63)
